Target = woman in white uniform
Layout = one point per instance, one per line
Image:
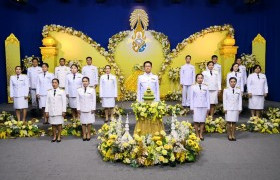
(56, 109)
(44, 83)
(19, 89)
(108, 92)
(257, 91)
(72, 83)
(232, 103)
(213, 81)
(199, 105)
(234, 72)
(86, 105)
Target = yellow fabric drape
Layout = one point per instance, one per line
(148, 126)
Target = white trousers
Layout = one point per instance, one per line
(185, 95)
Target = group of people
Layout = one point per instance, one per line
(200, 92)
(66, 87)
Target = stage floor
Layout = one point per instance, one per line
(252, 156)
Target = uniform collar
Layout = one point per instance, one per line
(150, 74)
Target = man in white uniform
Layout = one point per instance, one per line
(33, 74)
(61, 72)
(217, 66)
(243, 71)
(147, 80)
(91, 72)
(187, 78)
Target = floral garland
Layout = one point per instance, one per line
(177, 110)
(118, 111)
(202, 66)
(249, 61)
(218, 125)
(27, 61)
(154, 111)
(193, 37)
(5, 116)
(160, 149)
(173, 96)
(256, 124)
(13, 129)
(273, 113)
(163, 39)
(174, 74)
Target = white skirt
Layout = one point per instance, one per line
(199, 114)
(56, 120)
(232, 116)
(108, 102)
(20, 103)
(87, 118)
(42, 101)
(73, 102)
(256, 102)
(213, 96)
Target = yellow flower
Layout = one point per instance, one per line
(162, 132)
(161, 158)
(164, 152)
(158, 149)
(135, 150)
(159, 143)
(125, 144)
(156, 138)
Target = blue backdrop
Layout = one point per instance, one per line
(176, 20)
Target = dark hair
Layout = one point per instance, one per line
(108, 66)
(74, 65)
(237, 58)
(232, 78)
(231, 69)
(188, 56)
(209, 62)
(256, 66)
(17, 67)
(62, 59)
(214, 56)
(85, 78)
(35, 59)
(46, 64)
(198, 75)
(89, 58)
(148, 62)
(55, 79)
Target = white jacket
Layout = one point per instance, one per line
(33, 74)
(56, 104)
(71, 84)
(212, 81)
(232, 99)
(61, 73)
(108, 87)
(257, 85)
(44, 83)
(86, 99)
(199, 97)
(92, 73)
(145, 81)
(187, 75)
(238, 76)
(19, 86)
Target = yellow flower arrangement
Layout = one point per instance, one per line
(154, 111)
(218, 125)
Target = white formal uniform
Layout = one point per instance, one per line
(257, 86)
(44, 84)
(19, 88)
(239, 82)
(187, 78)
(232, 103)
(72, 83)
(61, 73)
(199, 102)
(86, 102)
(213, 82)
(56, 105)
(243, 71)
(91, 72)
(147, 80)
(218, 68)
(108, 90)
(33, 74)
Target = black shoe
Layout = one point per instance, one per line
(88, 139)
(229, 138)
(58, 141)
(84, 139)
(233, 139)
(53, 140)
(202, 138)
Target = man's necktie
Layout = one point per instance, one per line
(54, 92)
(211, 73)
(258, 76)
(108, 76)
(44, 74)
(17, 77)
(233, 91)
(74, 76)
(200, 86)
(85, 89)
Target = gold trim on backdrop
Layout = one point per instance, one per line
(12, 50)
(259, 39)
